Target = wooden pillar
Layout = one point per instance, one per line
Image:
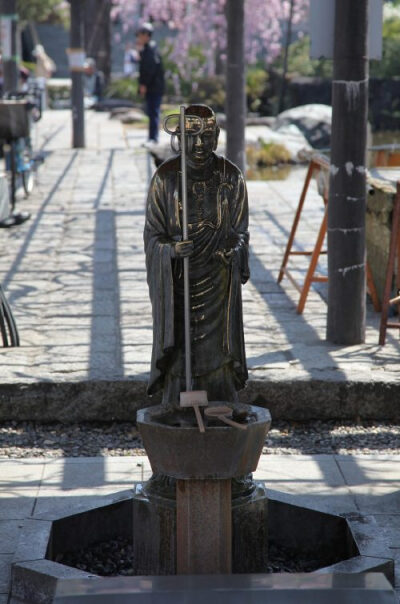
(204, 527)
(235, 84)
(347, 190)
(77, 42)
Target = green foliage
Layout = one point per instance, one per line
(300, 64)
(42, 10)
(256, 82)
(59, 96)
(210, 91)
(180, 80)
(123, 88)
(28, 65)
(268, 154)
(389, 66)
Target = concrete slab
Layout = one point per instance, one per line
(5, 572)
(92, 472)
(276, 589)
(9, 535)
(15, 507)
(365, 470)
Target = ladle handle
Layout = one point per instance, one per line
(232, 423)
(199, 419)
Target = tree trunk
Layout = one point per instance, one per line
(76, 42)
(347, 196)
(235, 85)
(98, 34)
(8, 11)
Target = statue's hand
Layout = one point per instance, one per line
(182, 249)
(224, 257)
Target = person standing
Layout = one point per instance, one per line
(151, 78)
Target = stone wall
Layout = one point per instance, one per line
(378, 229)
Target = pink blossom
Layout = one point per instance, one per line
(203, 24)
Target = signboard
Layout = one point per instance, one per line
(76, 59)
(322, 28)
(6, 38)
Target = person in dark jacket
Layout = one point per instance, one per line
(151, 78)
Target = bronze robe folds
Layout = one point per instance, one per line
(218, 220)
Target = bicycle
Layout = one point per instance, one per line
(20, 161)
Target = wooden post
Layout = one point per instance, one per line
(8, 12)
(286, 58)
(347, 191)
(77, 42)
(235, 84)
(204, 527)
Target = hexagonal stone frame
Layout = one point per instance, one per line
(356, 540)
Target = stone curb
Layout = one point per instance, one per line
(119, 400)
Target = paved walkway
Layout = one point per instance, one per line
(339, 484)
(75, 277)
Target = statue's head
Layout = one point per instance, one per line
(202, 145)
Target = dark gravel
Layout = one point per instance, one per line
(30, 439)
(115, 557)
(107, 559)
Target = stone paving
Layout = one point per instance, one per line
(75, 277)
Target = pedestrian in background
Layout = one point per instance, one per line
(44, 69)
(131, 61)
(93, 84)
(151, 78)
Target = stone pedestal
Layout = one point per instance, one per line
(195, 470)
(155, 547)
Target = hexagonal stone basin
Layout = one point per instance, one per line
(181, 451)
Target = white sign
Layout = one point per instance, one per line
(76, 59)
(322, 28)
(5, 37)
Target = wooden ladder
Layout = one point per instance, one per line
(318, 163)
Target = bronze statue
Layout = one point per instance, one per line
(218, 249)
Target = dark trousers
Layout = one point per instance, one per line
(153, 102)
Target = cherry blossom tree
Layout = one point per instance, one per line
(202, 23)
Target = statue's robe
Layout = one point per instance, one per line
(218, 220)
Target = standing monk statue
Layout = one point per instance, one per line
(218, 251)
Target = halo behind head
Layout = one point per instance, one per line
(203, 111)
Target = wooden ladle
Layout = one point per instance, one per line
(223, 413)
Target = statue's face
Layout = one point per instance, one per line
(202, 145)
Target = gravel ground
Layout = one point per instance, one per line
(115, 557)
(29, 439)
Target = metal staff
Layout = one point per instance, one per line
(190, 398)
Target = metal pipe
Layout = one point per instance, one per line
(186, 284)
